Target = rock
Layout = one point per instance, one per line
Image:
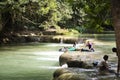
(73, 60)
(59, 72)
(65, 57)
(71, 76)
(68, 74)
(76, 63)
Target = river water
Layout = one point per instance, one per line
(38, 61)
(33, 61)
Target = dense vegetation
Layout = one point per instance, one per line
(82, 15)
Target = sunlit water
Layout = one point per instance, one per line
(32, 61)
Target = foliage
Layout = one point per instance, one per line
(82, 15)
(97, 14)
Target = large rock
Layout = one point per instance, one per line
(79, 64)
(73, 60)
(68, 74)
(59, 72)
(71, 76)
(65, 57)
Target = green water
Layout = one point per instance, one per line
(103, 37)
(33, 61)
(38, 61)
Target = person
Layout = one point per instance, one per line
(73, 48)
(114, 49)
(74, 44)
(104, 67)
(64, 49)
(90, 46)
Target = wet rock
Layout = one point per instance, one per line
(59, 72)
(71, 76)
(67, 74)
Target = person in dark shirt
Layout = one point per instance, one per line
(90, 46)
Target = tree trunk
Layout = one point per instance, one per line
(116, 24)
(6, 18)
(0, 23)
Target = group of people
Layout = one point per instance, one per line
(77, 47)
(102, 66)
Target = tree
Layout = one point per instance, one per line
(75, 14)
(91, 15)
(0, 23)
(15, 14)
(10, 11)
(97, 14)
(116, 24)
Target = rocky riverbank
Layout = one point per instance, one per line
(36, 36)
(76, 65)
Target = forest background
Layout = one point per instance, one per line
(36, 17)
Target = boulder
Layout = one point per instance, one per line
(79, 64)
(68, 74)
(59, 72)
(65, 57)
(73, 60)
(71, 76)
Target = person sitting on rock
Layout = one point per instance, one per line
(103, 66)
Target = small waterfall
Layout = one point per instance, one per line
(61, 40)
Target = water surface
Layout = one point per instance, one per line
(34, 61)
(38, 61)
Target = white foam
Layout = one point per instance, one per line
(50, 67)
